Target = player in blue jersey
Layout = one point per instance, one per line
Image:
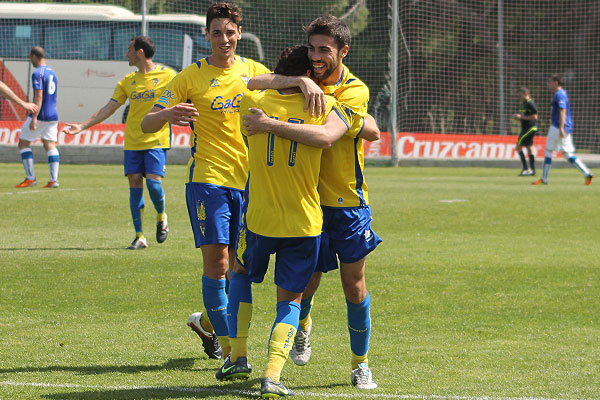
(560, 133)
(347, 235)
(43, 122)
(10, 95)
(528, 116)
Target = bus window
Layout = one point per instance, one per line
(18, 38)
(84, 41)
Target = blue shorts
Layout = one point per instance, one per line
(347, 235)
(215, 213)
(295, 259)
(152, 161)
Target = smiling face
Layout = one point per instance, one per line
(326, 58)
(223, 35)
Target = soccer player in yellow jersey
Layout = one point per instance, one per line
(282, 216)
(145, 155)
(347, 233)
(217, 169)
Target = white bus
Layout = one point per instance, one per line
(85, 44)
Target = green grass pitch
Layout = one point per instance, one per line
(484, 288)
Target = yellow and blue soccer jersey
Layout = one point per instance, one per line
(219, 155)
(342, 181)
(142, 90)
(283, 200)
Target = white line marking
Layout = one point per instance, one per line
(50, 190)
(254, 392)
(453, 201)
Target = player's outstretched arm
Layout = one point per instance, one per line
(72, 128)
(180, 114)
(315, 98)
(322, 136)
(10, 95)
(370, 131)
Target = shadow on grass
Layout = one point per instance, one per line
(172, 364)
(242, 390)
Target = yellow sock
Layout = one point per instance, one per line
(139, 235)
(205, 323)
(282, 339)
(238, 347)
(359, 359)
(305, 323)
(161, 217)
(224, 341)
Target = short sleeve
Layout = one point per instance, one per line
(120, 95)
(37, 81)
(533, 107)
(174, 93)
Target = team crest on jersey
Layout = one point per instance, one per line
(155, 80)
(245, 79)
(201, 212)
(214, 82)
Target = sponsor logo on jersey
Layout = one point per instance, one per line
(146, 95)
(227, 105)
(367, 235)
(214, 82)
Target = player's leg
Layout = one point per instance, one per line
(522, 158)
(215, 216)
(136, 207)
(49, 133)
(155, 162)
(25, 138)
(552, 141)
(531, 154)
(568, 150)
(295, 263)
(352, 244)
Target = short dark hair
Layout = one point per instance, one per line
(144, 43)
(330, 26)
(223, 10)
(37, 51)
(293, 61)
(556, 78)
(523, 90)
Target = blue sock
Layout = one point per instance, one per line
(215, 302)
(27, 159)
(241, 292)
(547, 166)
(136, 203)
(288, 312)
(157, 194)
(359, 325)
(305, 307)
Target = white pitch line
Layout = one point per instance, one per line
(50, 190)
(453, 201)
(298, 392)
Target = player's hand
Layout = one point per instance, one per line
(71, 128)
(182, 114)
(517, 116)
(562, 133)
(33, 124)
(31, 108)
(315, 98)
(256, 122)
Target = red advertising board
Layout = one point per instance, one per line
(408, 145)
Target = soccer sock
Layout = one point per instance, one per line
(577, 163)
(532, 162)
(359, 326)
(547, 166)
(136, 203)
(157, 194)
(305, 307)
(282, 338)
(239, 314)
(53, 162)
(27, 157)
(205, 323)
(215, 301)
(522, 157)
